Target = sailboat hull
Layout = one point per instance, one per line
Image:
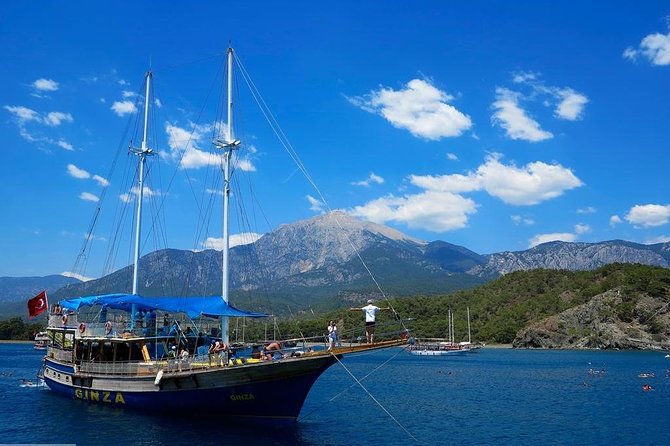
(273, 391)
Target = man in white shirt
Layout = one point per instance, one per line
(370, 311)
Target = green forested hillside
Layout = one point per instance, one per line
(499, 309)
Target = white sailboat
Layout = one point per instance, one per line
(440, 346)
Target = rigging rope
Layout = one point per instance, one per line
(372, 396)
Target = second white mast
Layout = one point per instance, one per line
(227, 146)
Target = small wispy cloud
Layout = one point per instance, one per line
(452, 157)
(128, 94)
(76, 276)
(581, 228)
(81, 174)
(552, 237)
(244, 238)
(214, 191)
(615, 220)
(518, 219)
(372, 178)
(419, 107)
(87, 196)
(147, 192)
(314, 204)
(100, 180)
(509, 115)
(76, 172)
(65, 145)
(659, 239)
(587, 210)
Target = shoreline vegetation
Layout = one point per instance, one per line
(618, 306)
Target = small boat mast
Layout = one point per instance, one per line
(142, 154)
(227, 145)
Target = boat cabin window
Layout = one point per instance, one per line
(62, 339)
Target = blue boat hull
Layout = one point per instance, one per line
(274, 392)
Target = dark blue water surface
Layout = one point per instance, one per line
(496, 396)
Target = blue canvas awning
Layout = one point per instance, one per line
(213, 306)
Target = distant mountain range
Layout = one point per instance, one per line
(317, 262)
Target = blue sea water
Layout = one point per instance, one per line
(496, 396)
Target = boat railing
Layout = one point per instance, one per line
(59, 354)
(135, 368)
(63, 320)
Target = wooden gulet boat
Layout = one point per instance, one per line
(127, 361)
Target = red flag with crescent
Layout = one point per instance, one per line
(37, 304)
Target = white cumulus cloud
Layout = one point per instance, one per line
(122, 108)
(522, 186)
(45, 85)
(55, 119)
(648, 215)
(571, 104)
(509, 115)
(655, 47)
(431, 210)
(184, 147)
(419, 107)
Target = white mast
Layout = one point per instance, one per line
(227, 146)
(142, 153)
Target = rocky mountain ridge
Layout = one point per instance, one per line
(318, 260)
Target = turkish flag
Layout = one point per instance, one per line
(37, 304)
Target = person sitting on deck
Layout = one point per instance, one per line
(218, 351)
(273, 350)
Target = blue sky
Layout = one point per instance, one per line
(491, 125)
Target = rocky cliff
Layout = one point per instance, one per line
(614, 319)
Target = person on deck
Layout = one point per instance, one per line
(332, 335)
(370, 311)
(218, 351)
(272, 349)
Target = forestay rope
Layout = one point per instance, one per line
(283, 139)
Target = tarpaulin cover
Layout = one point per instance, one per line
(193, 306)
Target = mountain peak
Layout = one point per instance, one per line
(349, 223)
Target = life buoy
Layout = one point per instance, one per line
(64, 319)
(108, 327)
(82, 328)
